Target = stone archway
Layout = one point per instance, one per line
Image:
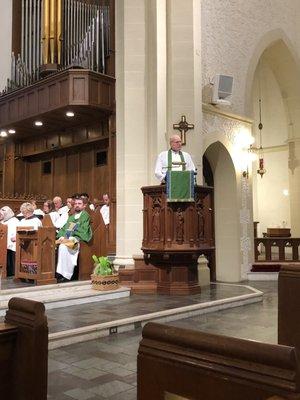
(276, 84)
(227, 224)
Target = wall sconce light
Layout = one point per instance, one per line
(250, 156)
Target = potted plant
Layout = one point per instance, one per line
(104, 276)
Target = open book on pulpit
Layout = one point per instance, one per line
(180, 186)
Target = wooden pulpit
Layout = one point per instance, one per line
(175, 234)
(3, 249)
(35, 255)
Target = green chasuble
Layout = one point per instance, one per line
(79, 228)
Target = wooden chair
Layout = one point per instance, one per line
(35, 255)
(3, 250)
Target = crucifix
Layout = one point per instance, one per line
(183, 126)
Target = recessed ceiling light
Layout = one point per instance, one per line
(3, 133)
(11, 131)
(38, 123)
(70, 114)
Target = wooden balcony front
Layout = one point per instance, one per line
(84, 92)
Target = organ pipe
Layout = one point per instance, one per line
(61, 34)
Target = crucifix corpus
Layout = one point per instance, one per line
(183, 126)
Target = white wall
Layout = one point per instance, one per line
(271, 206)
(5, 46)
(235, 33)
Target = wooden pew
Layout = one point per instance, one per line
(289, 305)
(176, 363)
(97, 246)
(3, 250)
(24, 351)
(35, 255)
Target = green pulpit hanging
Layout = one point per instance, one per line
(180, 186)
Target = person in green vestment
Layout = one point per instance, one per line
(76, 229)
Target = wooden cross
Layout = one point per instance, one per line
(183, 126)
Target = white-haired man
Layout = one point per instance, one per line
(173, 159)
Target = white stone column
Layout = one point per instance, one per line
(131, 126)
(158, 79)
(184, 73)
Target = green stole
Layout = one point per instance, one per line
(170, 160)
(83, 231)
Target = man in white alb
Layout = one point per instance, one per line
(104, 210)
(173, 155)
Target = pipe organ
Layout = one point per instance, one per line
(59, 34)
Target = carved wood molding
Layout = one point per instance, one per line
(83, 90)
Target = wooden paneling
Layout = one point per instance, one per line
(86, 171)
(9, 167)
(80, 135)
(54, 141)
(72, 172)
(59, 175)
(34, 177)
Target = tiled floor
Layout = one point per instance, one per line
(106, 368)
(98, 312)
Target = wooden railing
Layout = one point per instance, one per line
(276, 249)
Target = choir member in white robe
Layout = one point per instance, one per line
(37, 211)
(177, 157)
(30, 220)
(104, 210)
(7, 217)
(48, 209)
(63, 212)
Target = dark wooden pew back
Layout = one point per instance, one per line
(24, 351)
(97, 245)
(196, 365)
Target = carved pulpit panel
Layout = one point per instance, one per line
(180, 226)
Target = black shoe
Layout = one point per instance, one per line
(62, 280)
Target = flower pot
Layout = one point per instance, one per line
(108, 282)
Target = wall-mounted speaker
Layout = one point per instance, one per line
(222, 88)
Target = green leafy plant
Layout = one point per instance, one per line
(103, 266)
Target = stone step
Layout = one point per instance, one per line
(61, 295)
(94, 331)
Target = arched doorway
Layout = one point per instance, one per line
(227, 227)
(276, 87)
